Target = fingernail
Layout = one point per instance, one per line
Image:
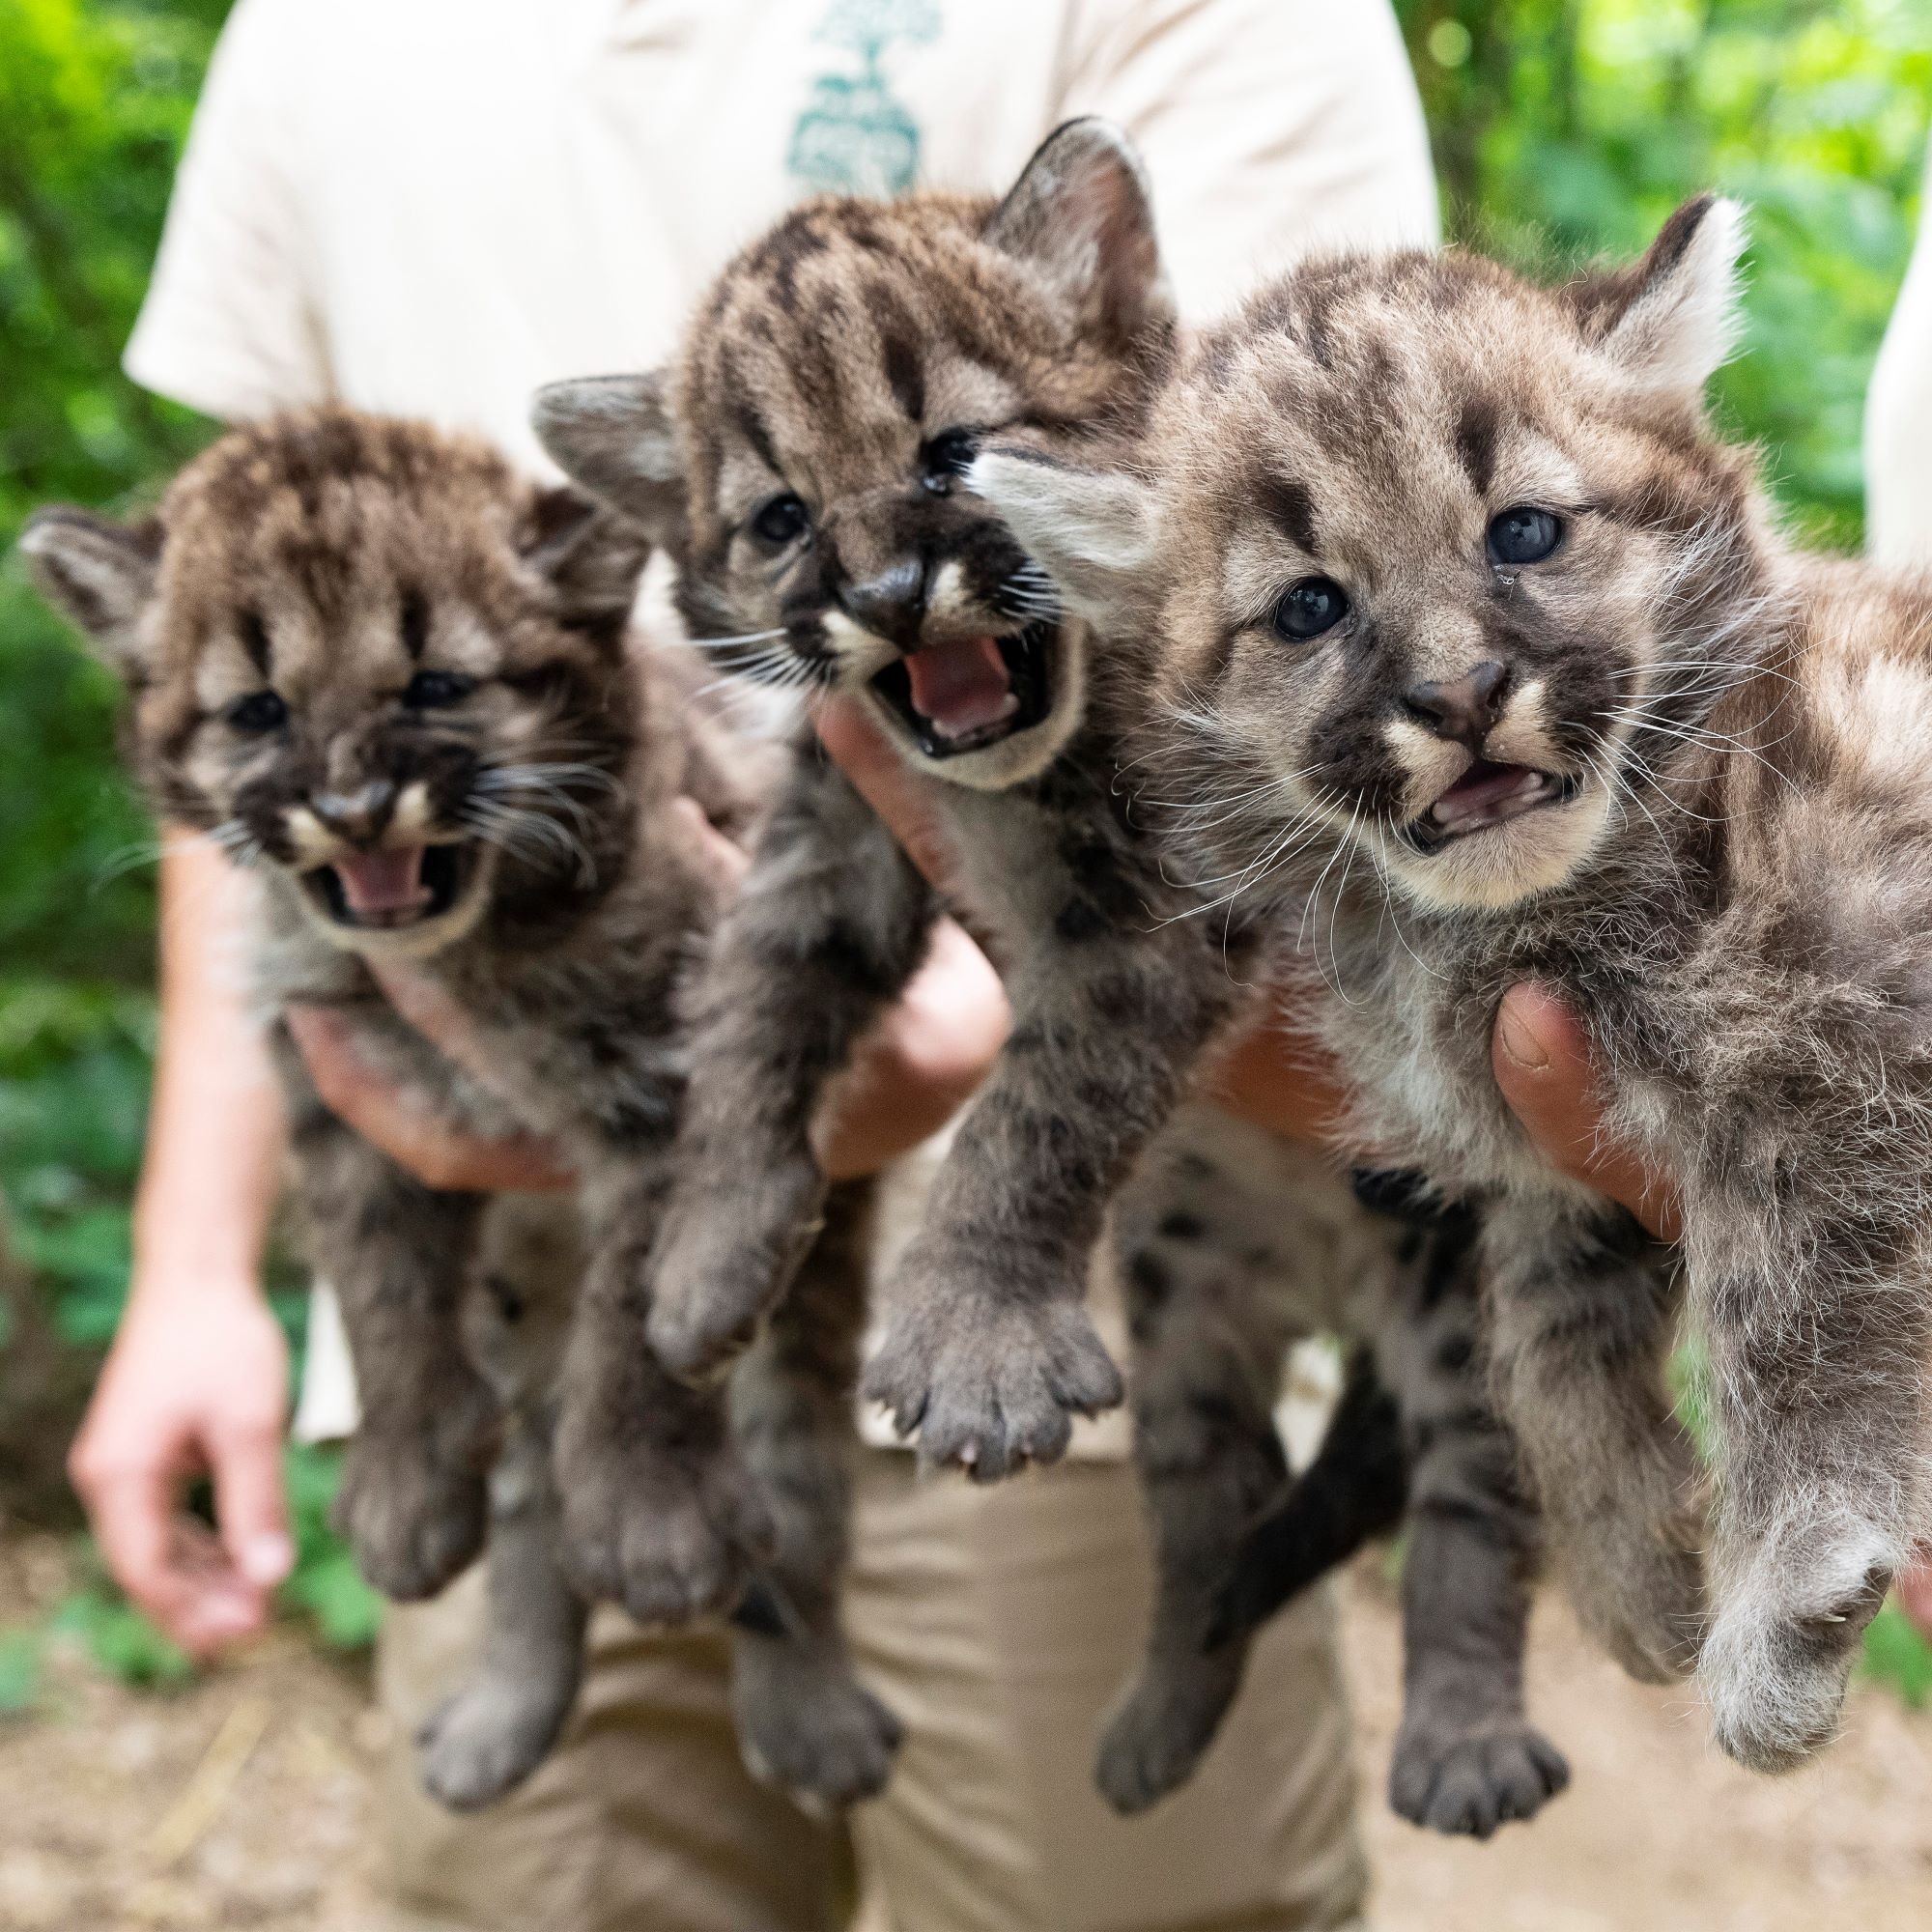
(1520, 1043)
(265, 1560)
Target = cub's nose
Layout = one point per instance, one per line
(1463, 708)
(360, 816)
(892, 605)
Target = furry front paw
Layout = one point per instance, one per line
(809, 1727)
(1775, 1673)
(483, 1742)
(721, 1264)
(1468, 1782)
(989, 1383)
(413, 1502)
(1158, 1730)
(669, 1533)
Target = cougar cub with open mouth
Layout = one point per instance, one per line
(804, 463)
(1447, 583)
(393, 680)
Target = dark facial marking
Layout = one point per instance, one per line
(1476, 441)
(791, 244)
(414, 622)
(255, 640)
(746, 419)
(1288, 505)
(905, 373)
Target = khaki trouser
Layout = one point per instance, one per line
(997, 1623)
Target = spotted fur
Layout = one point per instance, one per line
(1045, 314)
(827, 366)
(1231, 1246)
(393, 679)
(1700, 815)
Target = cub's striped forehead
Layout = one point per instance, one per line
(1359, 383)
(852, 329)
(326, 551)
(1400, 400)
(326, 508)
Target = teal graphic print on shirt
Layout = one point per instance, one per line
(854, 136)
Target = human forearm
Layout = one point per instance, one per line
(197, 1381)
(216, 1130)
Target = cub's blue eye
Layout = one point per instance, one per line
(781, 521)
(429, 689)
(1523, 535)
(259, 711)
(1307, 609)
(945, 457)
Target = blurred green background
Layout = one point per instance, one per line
(1563, 128)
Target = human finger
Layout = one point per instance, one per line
(1541, 1056)
(131, 1509)
(428, 1007)
(250, 1506)
(727, 862)
(1278, 1077)
(407, 1128)
(880, 776)
(172, 1572)
(918, 1065)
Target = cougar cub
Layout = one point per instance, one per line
(1447, 583)
(804, 463)
(392, 679)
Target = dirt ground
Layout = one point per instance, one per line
(243, 1802)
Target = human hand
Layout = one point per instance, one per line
(404, 1124)
(907, 1077)
(1277, 1075)
(1277, 1078)
(1541, 1057)
(923, 1060)
(195, 1384)
(1542, 1065)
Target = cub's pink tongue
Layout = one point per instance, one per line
(390, 881)
(961, 687)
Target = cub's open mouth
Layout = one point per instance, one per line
(1485, 795)
(964, 696)
(387, 891)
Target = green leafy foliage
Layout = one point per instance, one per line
(1898, 1657)
(1569, 128)
(116, 1638)
(327, 1587)
(1563, 129)
(94, 104)
(21, 1662)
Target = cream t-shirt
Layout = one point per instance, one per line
(1898, 418)
(433, 207)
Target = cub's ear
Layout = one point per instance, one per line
(1081, 214)
(1669, 320)
(591, 557)
(616, 436)
(1095, 532)
(100, 574)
